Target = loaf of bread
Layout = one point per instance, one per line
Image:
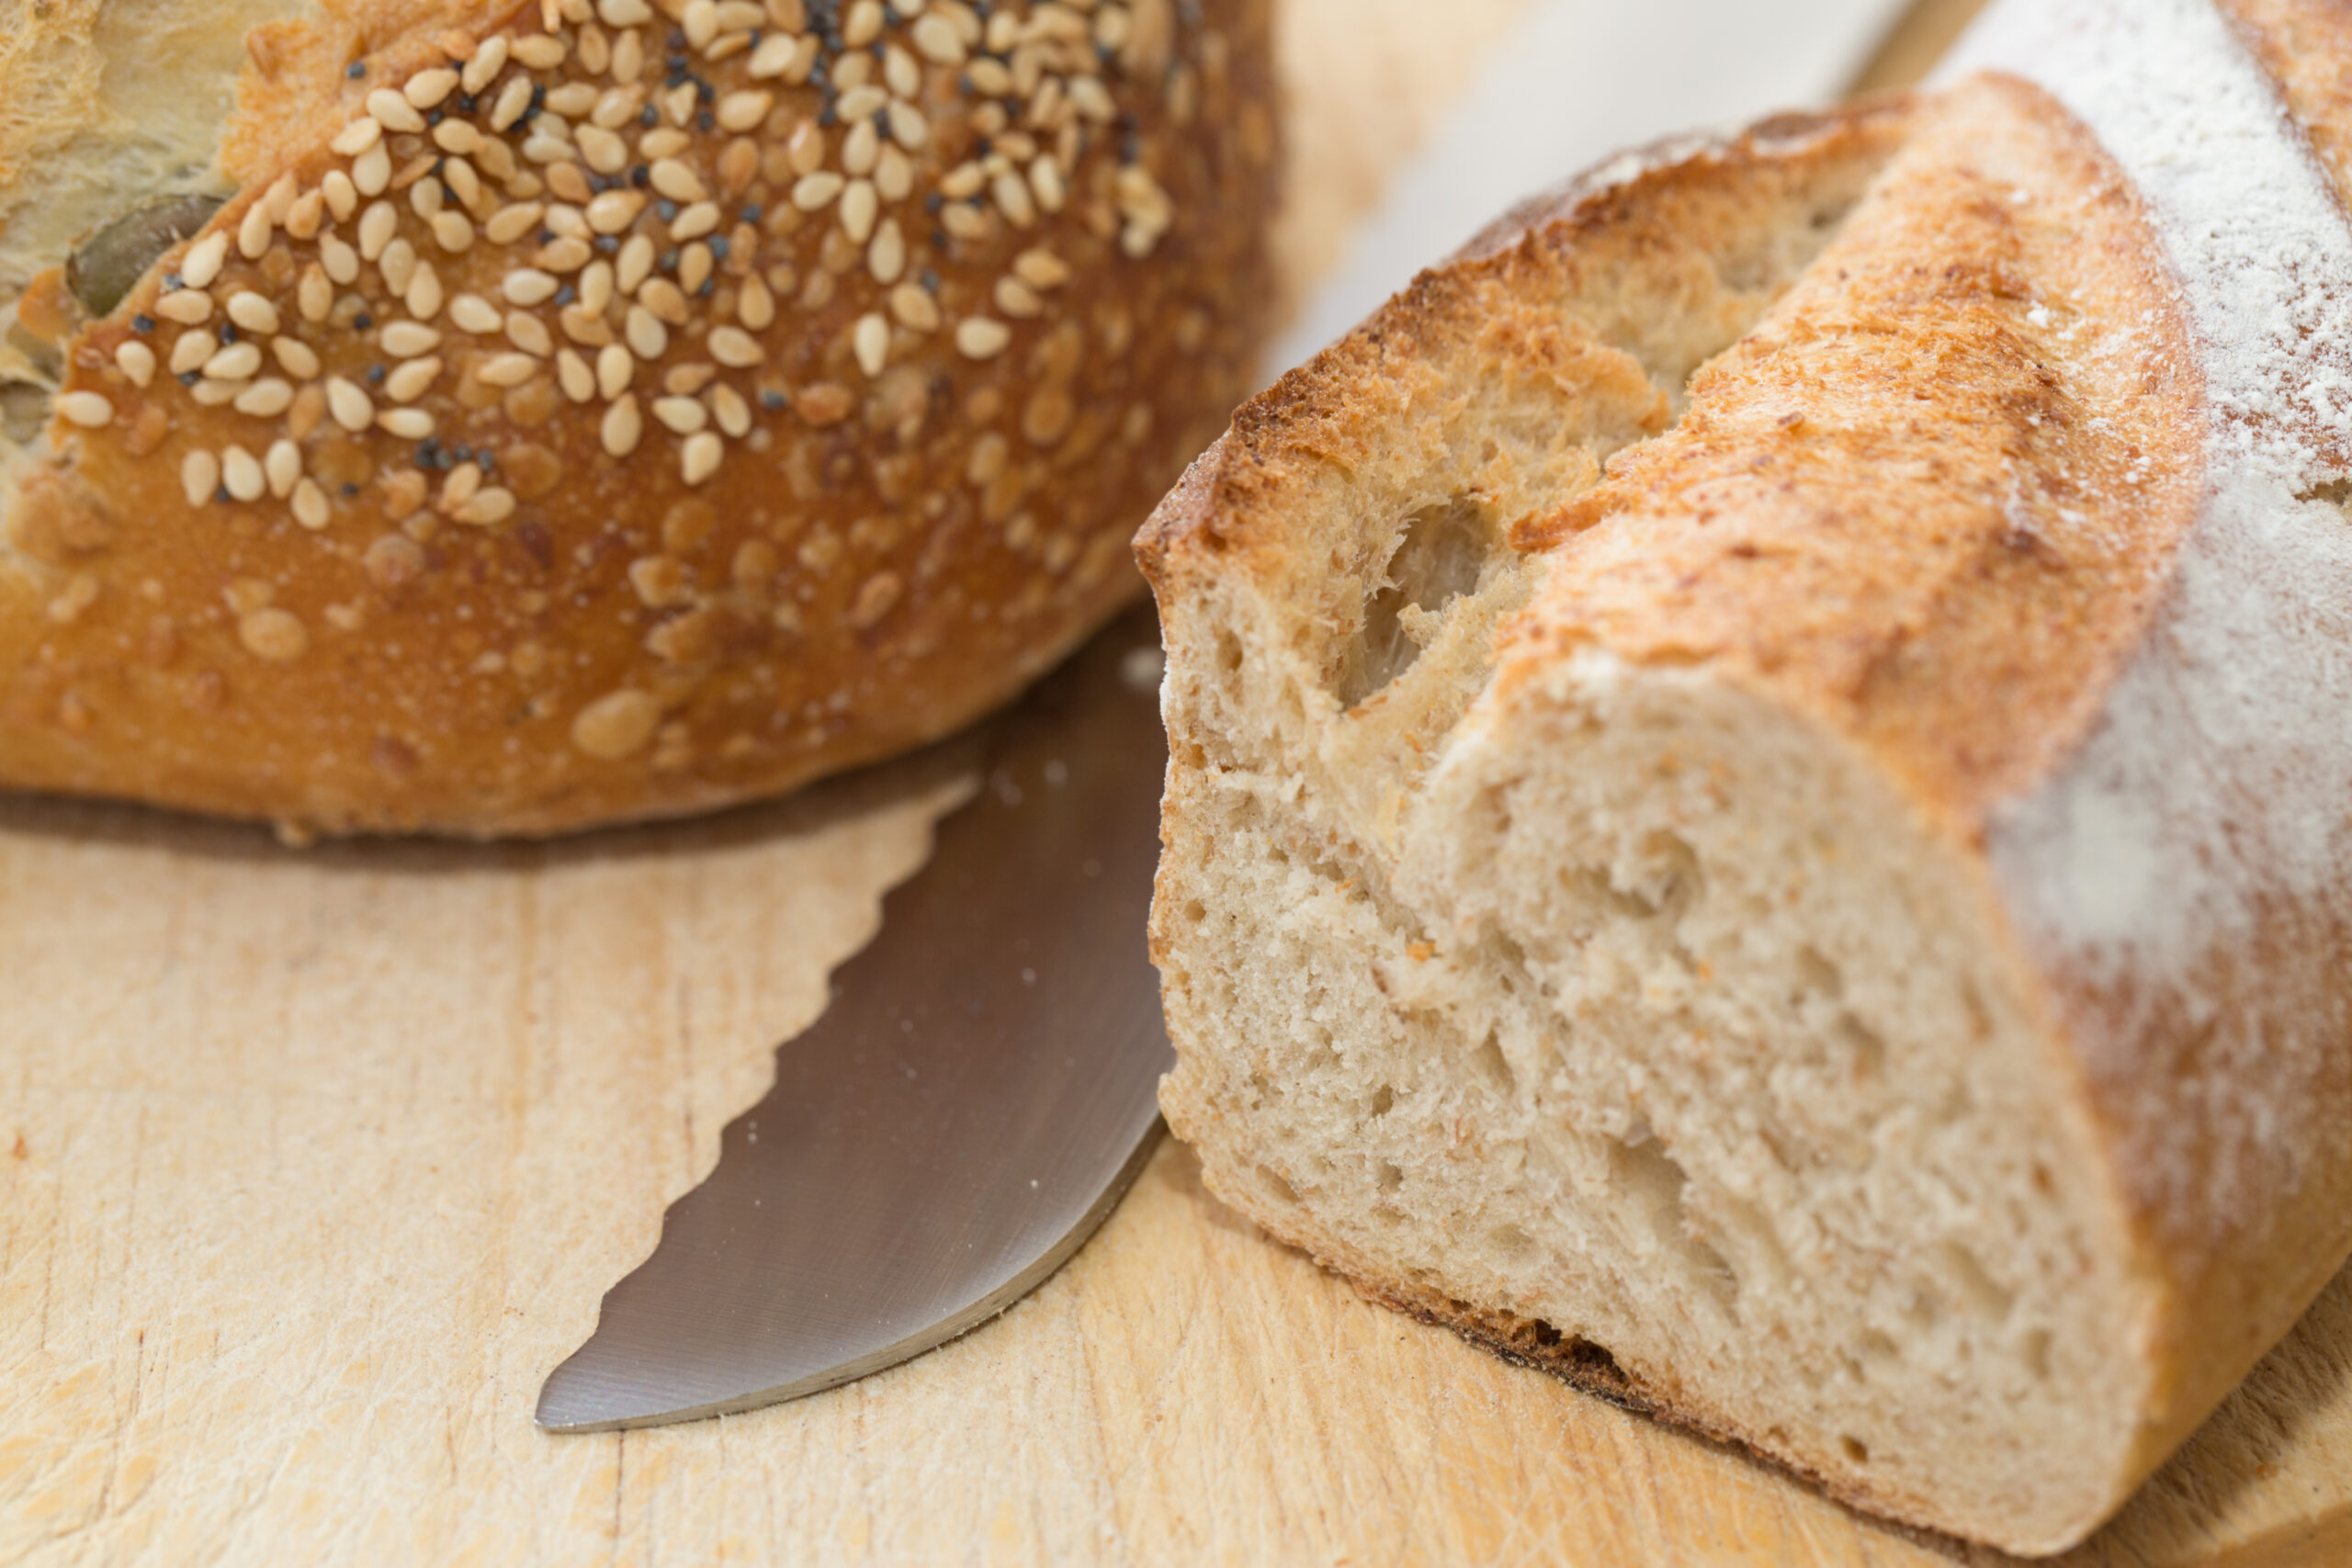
(452, 415)
(1762, 801)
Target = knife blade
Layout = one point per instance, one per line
(976, 1097)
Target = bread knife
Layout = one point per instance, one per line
(975, 1098)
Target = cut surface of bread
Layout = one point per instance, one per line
(1593, 688)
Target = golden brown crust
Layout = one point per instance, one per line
(1657, 230)
(884, 550)
(1879, 505)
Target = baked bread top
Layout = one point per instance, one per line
(579, 412)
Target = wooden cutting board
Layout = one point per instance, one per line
(312, 1165)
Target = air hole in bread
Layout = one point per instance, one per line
(1867, 1050)
(1855, 1449)
(1385, 1100)
(1977, 1289)
(1494, 1067)
(1513, 1246)
(1277, 1186)
(1443, 554)
(1392, 1176)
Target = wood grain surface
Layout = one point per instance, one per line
(312, 1165)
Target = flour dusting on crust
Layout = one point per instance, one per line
(2200, 835)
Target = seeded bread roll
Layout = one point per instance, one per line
(491, 420)
(1757, 802)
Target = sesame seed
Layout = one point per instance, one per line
(635, 264)
(339, 261)
(1013, 199)
(728, 407)
(682, 416)
(377, 227)
(283, 465)
(754, 305)
(735, 348)
(772, 57)
(513, 100)
(406, 340)
(647, 338)
(814, 192)
(614, 368)
(622, 427)
(963, 182)
(136, 360)
(1040, 268)
(458, 136)
(860, 149)
(305, 217)
(978, 337)
(615, 210)
(908, 128)
(200, 476)
(900, 73)
(241, 473)
(569, 254)
(88, 410)
(295, 357)
(409, 425)
(596, 288)
(488, 59)
(190, 352)
(488, 506)
(202, 263)
(859, 102)
(695, 221)
(356, 137)
(253, 312)
(742, 111)
(527, 286)
(695, 263)
(393, 112)
(187, 307)
(541, 52)
(571, 373)
(236, 362)
(604, 152)
(452, 232)
(871, 340)
(413, 379)
(277, 636)
(510, 223)
(265, 398)
(938, 41)
(423, 295)
(676, 181)
(506, 369)
(618, 725)
(665, 299)
(342, 197)
(914, 307)
(473, 313)
(428, 88)
(698, 456)
(349, 405)
(529, 333)
(309, 505)
(860, 206)
(372, 171)
(1046, 183)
